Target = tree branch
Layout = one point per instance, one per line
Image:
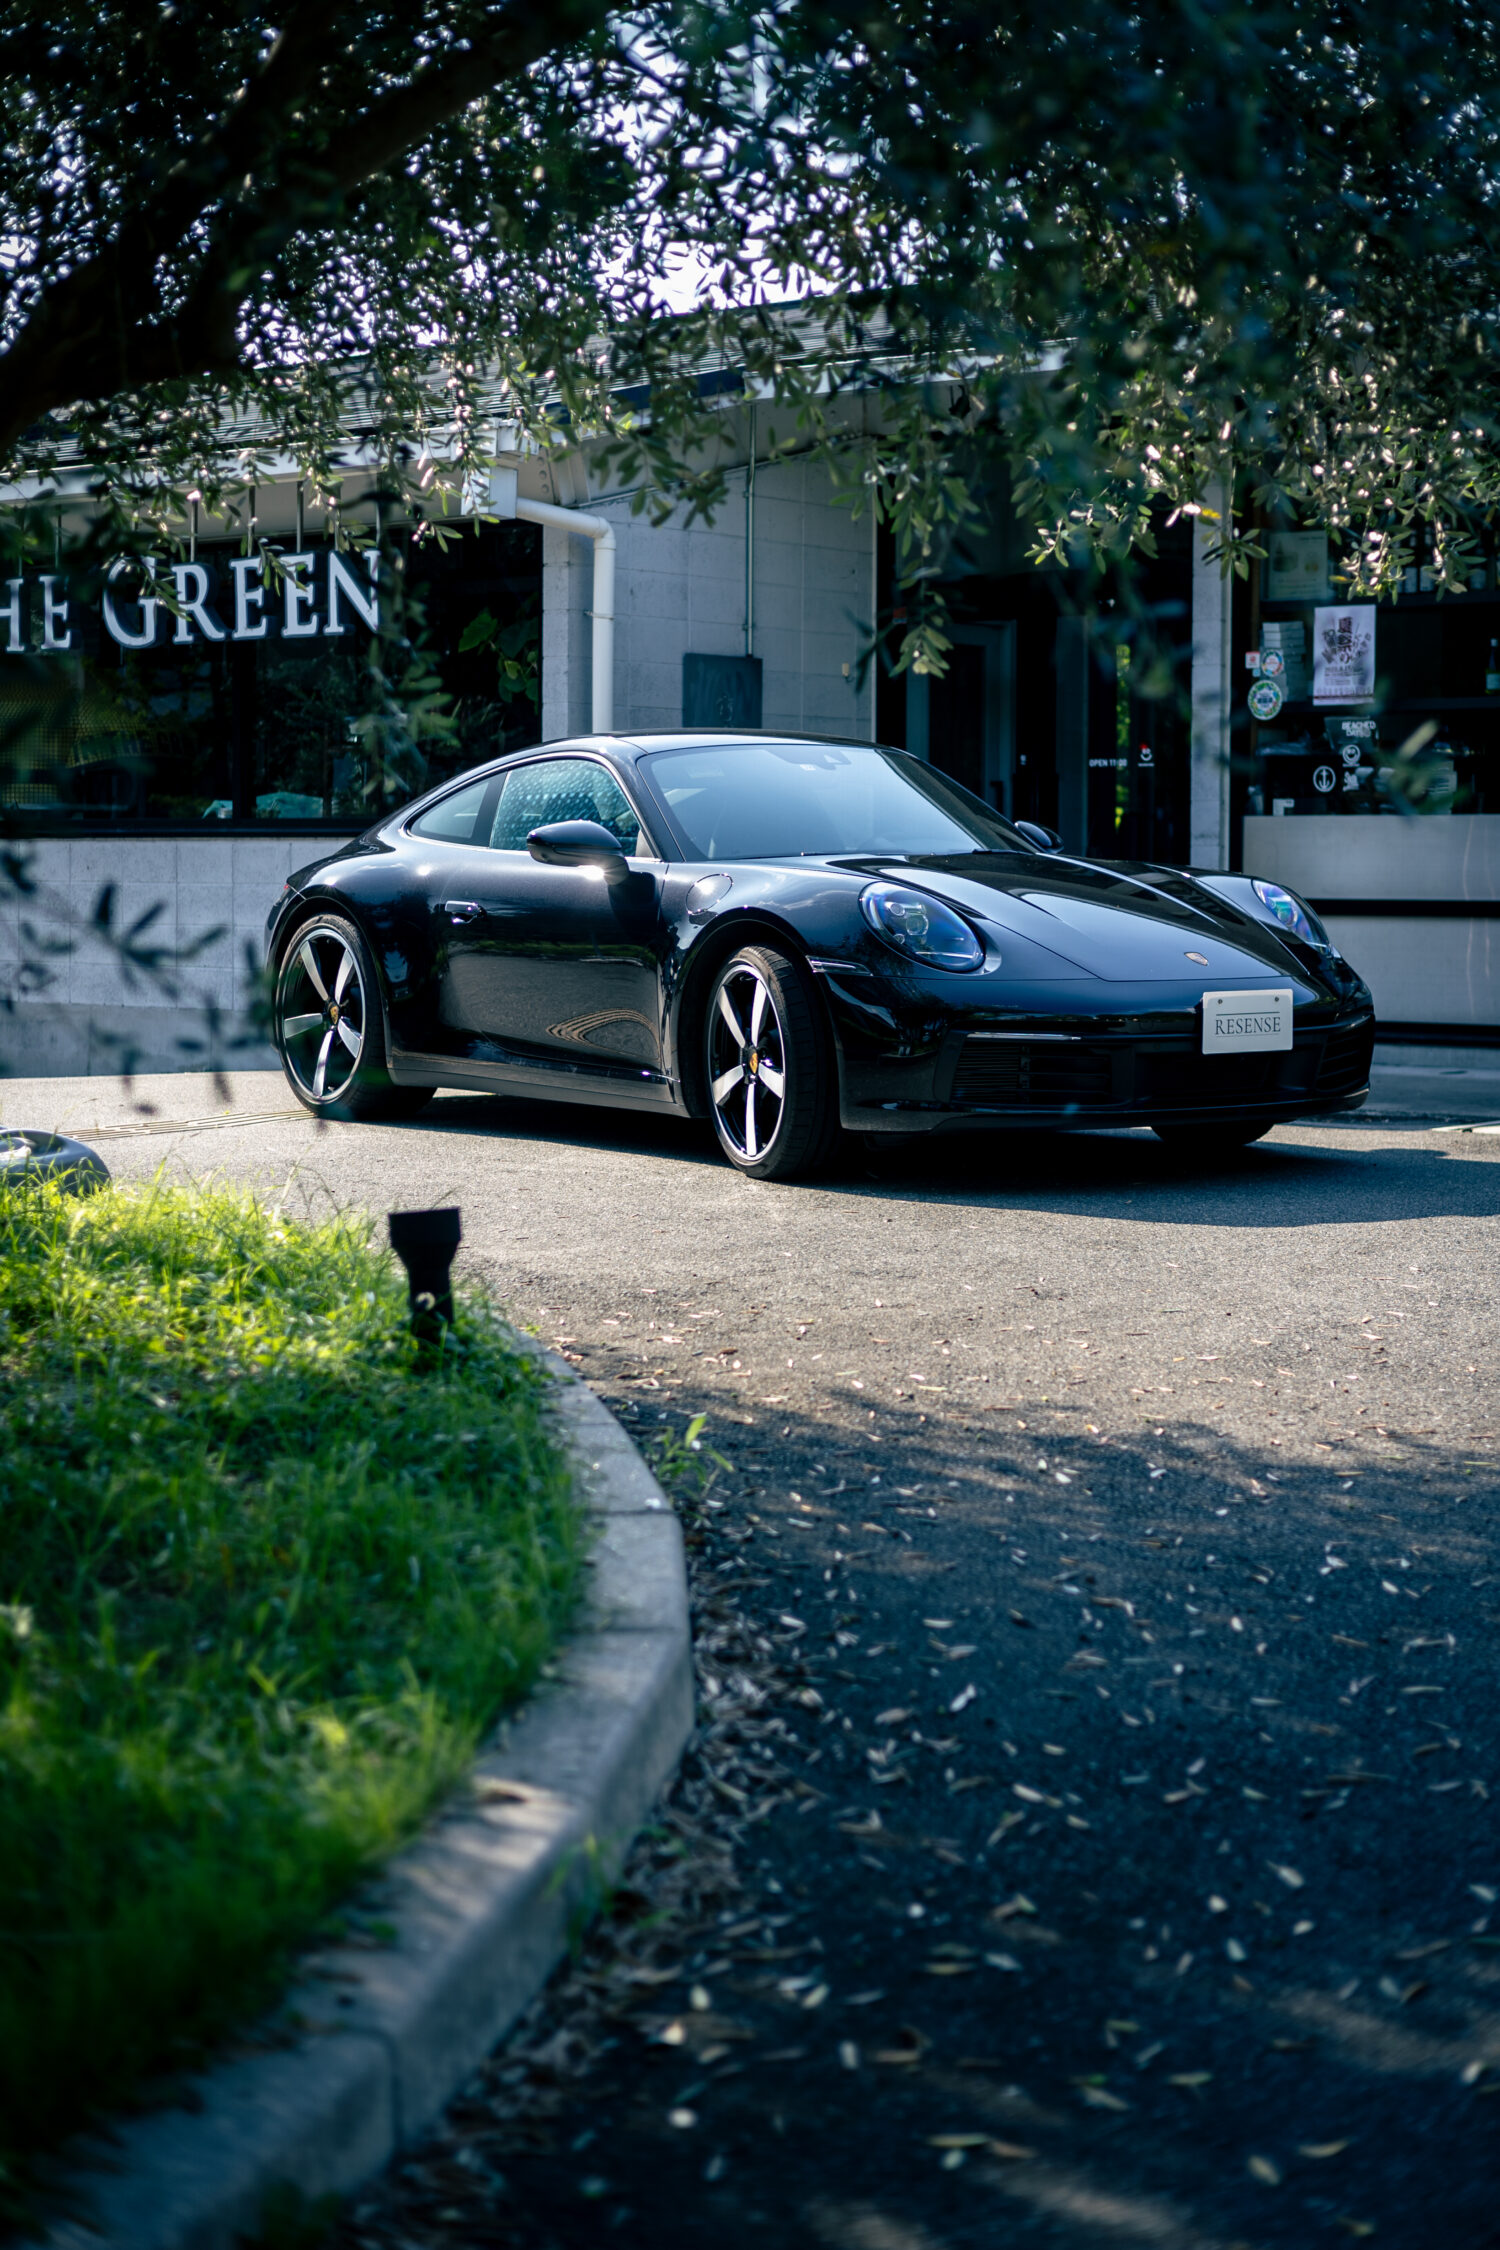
(104, 317)
(405, 116)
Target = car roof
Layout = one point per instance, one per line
(627, 746)
(636, 742)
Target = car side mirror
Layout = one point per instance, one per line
(579, 843)
(1045, 839)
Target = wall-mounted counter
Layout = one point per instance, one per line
(1414, 903)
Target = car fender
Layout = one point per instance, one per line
(694, 969)
(352, 888)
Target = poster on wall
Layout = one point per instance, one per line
(1297, 567)
(1344, 654)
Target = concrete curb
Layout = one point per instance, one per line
(482, 1904)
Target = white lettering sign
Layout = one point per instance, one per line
(248, 596)
(191, 582)
(15, 622)
(54, 615)
(114, 624)
(341, 580)
(237, 602)
(299, 620)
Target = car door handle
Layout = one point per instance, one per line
(462, 909)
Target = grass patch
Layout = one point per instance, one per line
(265, 1583)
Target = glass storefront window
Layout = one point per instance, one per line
(1426, 740)
(271, 700)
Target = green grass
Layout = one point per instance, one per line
(263, 1584)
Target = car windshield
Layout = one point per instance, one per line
(787, 800)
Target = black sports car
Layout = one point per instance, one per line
(791, 937)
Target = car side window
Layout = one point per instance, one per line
(561, 789)
(451, 820)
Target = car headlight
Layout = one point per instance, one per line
(1293, 915)
(920, 927)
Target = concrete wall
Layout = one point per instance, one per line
(90, 1010)
(1422, 968)
(1442, 970)
(1449, 856)
(681, 588)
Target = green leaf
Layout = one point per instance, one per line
(476, 633)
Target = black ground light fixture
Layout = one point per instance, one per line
(425, 1241)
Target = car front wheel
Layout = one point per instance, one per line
(771, 1080)
(329, 1027)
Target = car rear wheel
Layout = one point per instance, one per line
(1212, 1140)
(771, 1082)
(329, 1028)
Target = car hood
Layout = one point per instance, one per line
(1127, 921)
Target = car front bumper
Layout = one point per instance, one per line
(910, 1061)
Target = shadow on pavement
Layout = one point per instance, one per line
(1113, 1860)
(1279, 1183)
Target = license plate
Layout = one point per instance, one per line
(1247, 1023)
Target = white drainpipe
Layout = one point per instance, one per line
(584, 525)
(503, 500)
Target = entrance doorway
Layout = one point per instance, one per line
(965, 722)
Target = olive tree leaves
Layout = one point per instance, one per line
(1132, 254)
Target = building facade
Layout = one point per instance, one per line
(192, 756)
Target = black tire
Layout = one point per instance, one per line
(1212, 1140)
(772, 1082)
(330, 1029)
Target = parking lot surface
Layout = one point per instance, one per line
(1098, 1668)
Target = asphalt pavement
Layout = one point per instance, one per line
(1105, 1553)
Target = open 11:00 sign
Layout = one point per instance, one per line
(303, 597)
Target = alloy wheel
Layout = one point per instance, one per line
(747, 1063)
(321, 1013)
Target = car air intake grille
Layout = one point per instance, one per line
(1051, 1074)
(1192, 1081)
(1345, 1067)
